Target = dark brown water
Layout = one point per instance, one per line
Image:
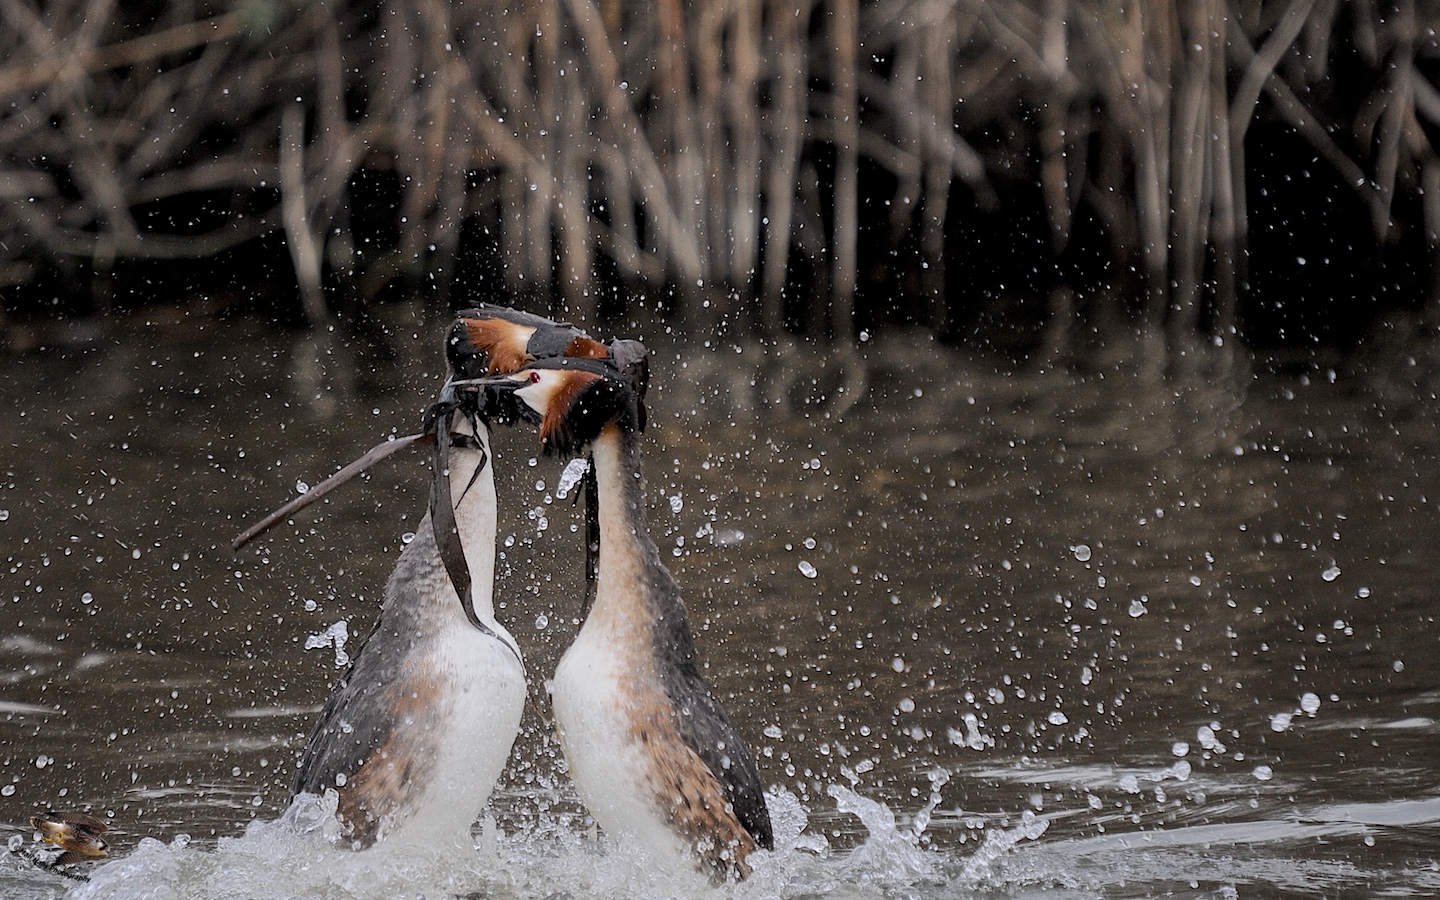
(989, 633)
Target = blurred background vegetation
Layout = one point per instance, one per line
(1050, 171)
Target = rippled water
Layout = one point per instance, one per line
(990, 633)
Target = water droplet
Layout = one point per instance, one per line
(1081, 551)
(7, 791)
(907, 705)
(1331, 573)
(1137, 608)
(87, 598)
(807, 570)
(4, 515)
(1309, 703)
(337, 634)
(302, 488)
(677, 503)
(1280, 722)
(1180, 748)
(809, 543)
(897, 664)
(574, 471)
(541, 622)
(407, 537)
(727, 537)
(972, 738)
(1263, 773)
(1058, 718)
(773, 732)
(1398, 665)
(340, 779)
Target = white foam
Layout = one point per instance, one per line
(297, 856)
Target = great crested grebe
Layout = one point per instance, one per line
(651, 751)
(415, 735)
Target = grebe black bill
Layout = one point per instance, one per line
(651, 751)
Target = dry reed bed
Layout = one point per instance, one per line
(709, 145)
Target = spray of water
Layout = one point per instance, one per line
(302, 854)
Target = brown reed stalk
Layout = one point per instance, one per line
(716, 146)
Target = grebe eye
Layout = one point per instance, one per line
(534, 377)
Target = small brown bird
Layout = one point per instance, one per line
(75, 833)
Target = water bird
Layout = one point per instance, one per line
(416, 734)
(649, 747)
(77, 834)
(389, 717)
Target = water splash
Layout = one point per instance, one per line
(971, 737)
(888, 854)
(337, 634)
(999, 843)
(573, 472)
(302, 854)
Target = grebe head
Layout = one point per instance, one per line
(495, 340)
(571, 400)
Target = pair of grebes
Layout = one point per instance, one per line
(415, 735)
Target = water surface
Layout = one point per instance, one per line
(989, 632)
